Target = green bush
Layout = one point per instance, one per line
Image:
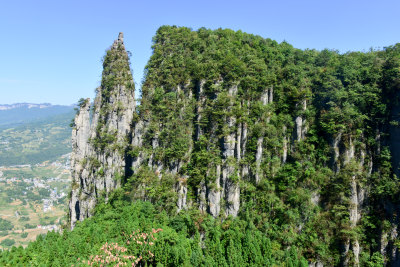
(7, 242)
(177, 243)
(24, 219)
(5, 225)
(30, 226)
(3, 233)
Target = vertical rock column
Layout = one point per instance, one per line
(200, 98)
(80, 135)
(356, 199)
(103, 161)
(243, 140)
(175, 166)
(266, 98)
(301, 127)
(230, 187)
(116, 110)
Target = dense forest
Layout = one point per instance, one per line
(242, 152)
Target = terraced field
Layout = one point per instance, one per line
(33, 199)
(35, 142)
(34, 172)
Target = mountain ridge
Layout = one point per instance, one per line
(28, 105)
(20, 113)
(243, 151)
(229, 120)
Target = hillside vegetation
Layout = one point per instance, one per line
(33, 201)
(178, 243)
(35, 143)
(43, 139)
(250, 152)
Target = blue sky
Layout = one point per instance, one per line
(50, 51)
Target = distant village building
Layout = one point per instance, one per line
(47, 205)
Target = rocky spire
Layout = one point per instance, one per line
(99, 147)
(119, 41)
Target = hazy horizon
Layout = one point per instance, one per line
(43, 103)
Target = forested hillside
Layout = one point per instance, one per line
(251, 152)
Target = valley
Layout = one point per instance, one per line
(35, 175)
(33, 200)
(241, 152)
(35, 141)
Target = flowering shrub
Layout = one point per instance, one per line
(136, 250)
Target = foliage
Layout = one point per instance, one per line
(312, 128)
(7, 242)
(5, 225)
(202, 87)
(24, 235)
(123, 230)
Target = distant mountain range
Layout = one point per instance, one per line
(20, 113)
(23, 105)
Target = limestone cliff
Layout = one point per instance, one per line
(230, 124)
(100, 139)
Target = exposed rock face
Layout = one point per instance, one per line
(80, 135)
(100, 142)
(389, 234)
(301, 126)
(349, 160)
(204, 140)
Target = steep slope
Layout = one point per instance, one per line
(100, 142)
(232, 124)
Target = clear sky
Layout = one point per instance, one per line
(50, 51)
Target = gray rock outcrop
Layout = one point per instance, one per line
(100, 141)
